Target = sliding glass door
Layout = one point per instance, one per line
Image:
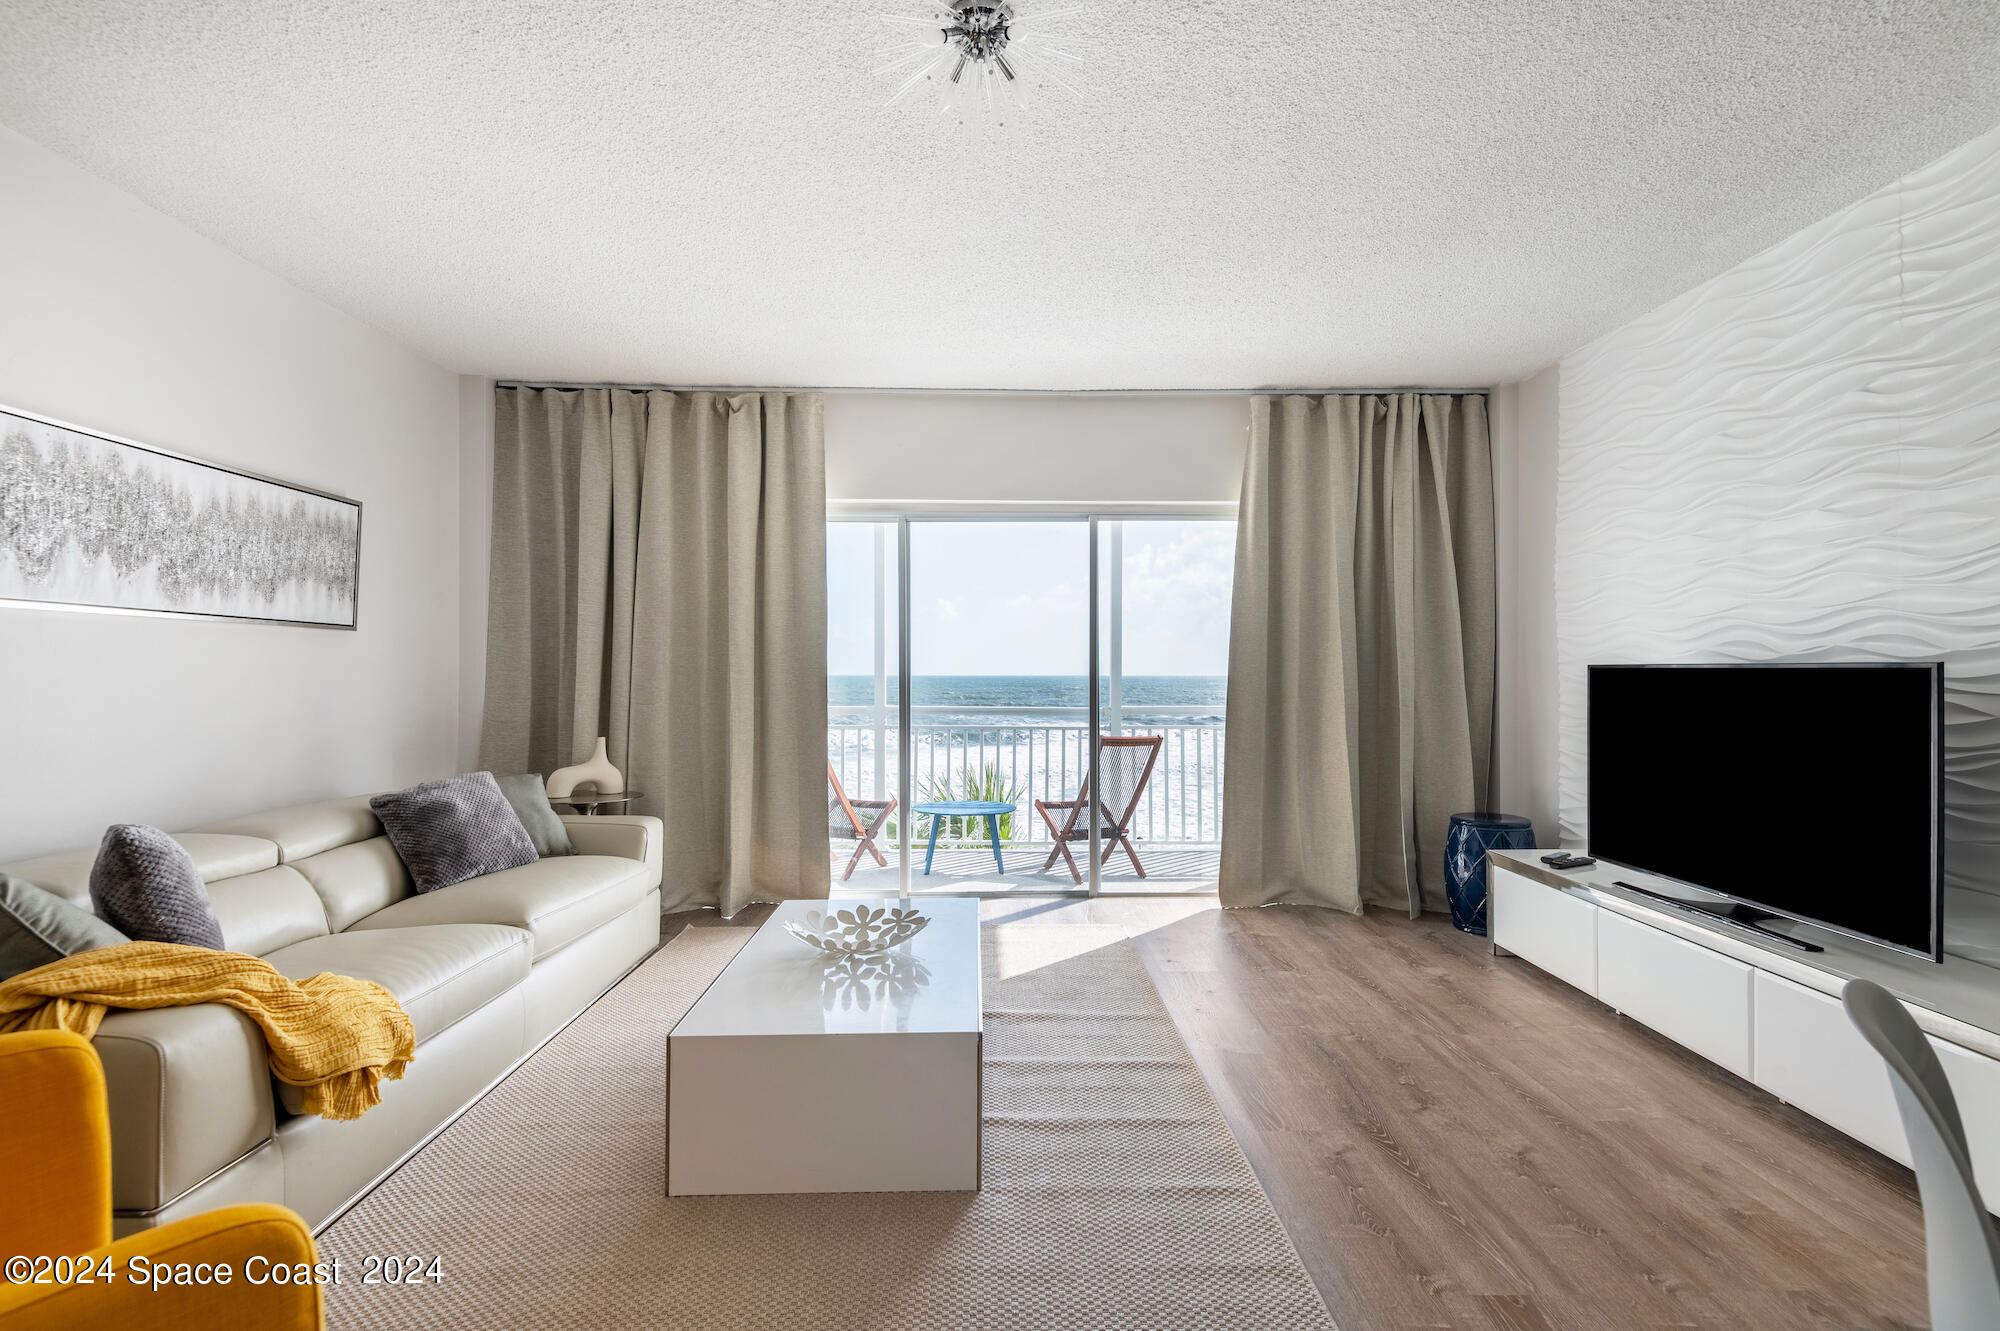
(977, 782)
(1000, 664)
(1163, 632)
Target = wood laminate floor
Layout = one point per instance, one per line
(1455, 1140)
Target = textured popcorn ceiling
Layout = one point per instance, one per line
(1256, 193)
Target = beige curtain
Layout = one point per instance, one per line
(1360, 649)
(659, 578)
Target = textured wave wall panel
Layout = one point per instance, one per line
(1800, 460)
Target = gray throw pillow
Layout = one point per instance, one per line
(451, 830)
(38, 927)
(529, 795)
(146, 884)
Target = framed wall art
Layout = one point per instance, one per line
(92, 521)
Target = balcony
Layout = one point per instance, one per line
(1020, 755)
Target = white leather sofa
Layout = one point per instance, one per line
(487, 970)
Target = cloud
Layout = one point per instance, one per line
(1178, 580)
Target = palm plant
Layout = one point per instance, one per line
(986, 784)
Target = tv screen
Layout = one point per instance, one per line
(1809, 791)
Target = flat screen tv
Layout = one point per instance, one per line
(1808, 792)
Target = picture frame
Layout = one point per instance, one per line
(96, 522)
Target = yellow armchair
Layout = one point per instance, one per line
(229, 1268)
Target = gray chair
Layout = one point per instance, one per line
(1963, 1249)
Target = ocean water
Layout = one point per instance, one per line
(1202, 696)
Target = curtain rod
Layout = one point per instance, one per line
(1482, 390)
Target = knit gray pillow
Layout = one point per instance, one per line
(529, 795)
(38, 927)
(451, 830)
(146, 884)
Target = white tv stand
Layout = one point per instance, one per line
(1769, 1014)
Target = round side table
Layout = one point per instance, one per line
(598, 801)
(939, 810)
(1465, 847)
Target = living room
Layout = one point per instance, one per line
(735, 665)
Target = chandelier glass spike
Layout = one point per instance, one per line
(980, 54)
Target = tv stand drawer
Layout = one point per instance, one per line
(1810, 1055)
(1551, 929)
(1685, 992)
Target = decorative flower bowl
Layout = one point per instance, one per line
(857, 932)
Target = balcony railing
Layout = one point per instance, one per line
(1038, 753)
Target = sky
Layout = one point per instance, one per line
(1012, 598)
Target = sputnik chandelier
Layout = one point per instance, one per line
(984, 58)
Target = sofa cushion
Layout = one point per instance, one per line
(260, 912)
(37, 927)
(215, 856)
(556, 900)
(145, 883)
(451, 830)
(308, 829)
(440, 973)
(355, 880)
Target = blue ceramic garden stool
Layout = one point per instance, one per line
(1465, 847)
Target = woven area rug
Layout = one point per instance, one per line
(1115, 1196)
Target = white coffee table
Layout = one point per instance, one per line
(782, 1079)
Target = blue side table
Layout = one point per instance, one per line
(940, 810)
(1465, 847)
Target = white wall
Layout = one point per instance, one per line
(1503, 432)
(1524, 694)
(117, 318)
(1801, 459)
(1103, 447)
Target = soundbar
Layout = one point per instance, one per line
(1729, 912)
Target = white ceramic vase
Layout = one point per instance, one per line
(598, 773)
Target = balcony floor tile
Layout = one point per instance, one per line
(1169, 869)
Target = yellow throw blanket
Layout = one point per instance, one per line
(334, 1036)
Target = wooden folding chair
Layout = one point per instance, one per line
(1124, 763)
(855, 820)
